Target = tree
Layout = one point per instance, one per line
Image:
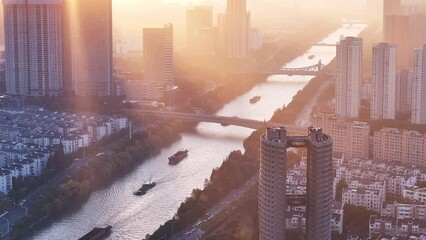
(59, 160)
(356, 219)
(339, 189)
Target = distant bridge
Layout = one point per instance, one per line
(309, 70)
(225, 121)
(325, 44)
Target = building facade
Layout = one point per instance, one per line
(272, 183)
(88, 49)
(237, 29)
(403, 93)
(418, 112)
(33, 45)
(200, 31)
(383, 105)
(348, 77)
(158, 60)
(403, 146)
(351, 138)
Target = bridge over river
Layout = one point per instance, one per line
(223, 120)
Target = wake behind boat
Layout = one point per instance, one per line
(97, 234)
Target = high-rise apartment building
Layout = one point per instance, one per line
(158, 60)
(33, 46)
(348, 79)
(237, 29)
(272, 183)
(384, 81)
(200, 31)
(418, 112)
(88, 47)
(396, 145)
(403, 93)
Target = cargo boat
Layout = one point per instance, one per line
(97, 234)
(177, 157)
(145, 188)
(255, 99)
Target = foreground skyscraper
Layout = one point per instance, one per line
(33, 44)
(273, 199)
(348, 79)
(418, 113)
(158, 60)
(237, 29)
(383, 104)
(88, 50)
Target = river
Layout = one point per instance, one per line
(132, 217)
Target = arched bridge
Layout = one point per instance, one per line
(225, 121)
(309, 70)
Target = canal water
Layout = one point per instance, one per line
(132, 217)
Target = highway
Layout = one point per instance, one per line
(195, 232)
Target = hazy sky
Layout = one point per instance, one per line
(134, 15)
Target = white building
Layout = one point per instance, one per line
(40, 160)
(72, 143)
(52, 139)
(97, 131)
(5, 181)
(418, 112)
(15, 169)
(415, 193)
(33, 41)
(337, 217)
(368, 198)
(382, 225)
(119, 123)
(348, 77)
(404, 210)
(29, 168)
(384, 81)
